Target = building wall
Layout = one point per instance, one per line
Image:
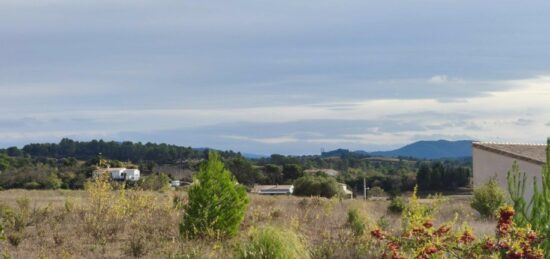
(487, 164)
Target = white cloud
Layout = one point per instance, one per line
(272, 140)
(493, 116)
(438, 79)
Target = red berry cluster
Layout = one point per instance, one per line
(427, 252)
(505, 220)
(514, 242)
(378, 234)
(441, 231)
(467, 237)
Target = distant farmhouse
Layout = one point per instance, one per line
(495, 160)
(273, 189)
(120, 174)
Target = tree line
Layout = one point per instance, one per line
(69, 163)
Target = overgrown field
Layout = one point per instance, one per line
(113, 224)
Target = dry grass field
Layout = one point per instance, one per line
(84, 224)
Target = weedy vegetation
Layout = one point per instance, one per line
(216, 218)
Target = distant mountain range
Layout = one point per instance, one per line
(438, 149)
(431, 150)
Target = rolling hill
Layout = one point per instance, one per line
(431, 150)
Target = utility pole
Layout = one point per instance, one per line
(365, 188)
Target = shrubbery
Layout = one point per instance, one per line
(217, 203)
(273, 243)
(488, 198)
(376, 192)
(323, 186)
(397, 205)
(356, 222)
(155, 182)
(419, 238)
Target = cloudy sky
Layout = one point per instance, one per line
(282, 76)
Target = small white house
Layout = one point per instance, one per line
(121, 174)
(273, 189)
(495, 160)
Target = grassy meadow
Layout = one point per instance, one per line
(99, 224)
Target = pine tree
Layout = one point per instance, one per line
(217, 203)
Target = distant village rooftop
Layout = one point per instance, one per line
(273, 189)
(535, 153)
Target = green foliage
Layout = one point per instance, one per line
(488, 198)
(323, 186)
(390, 180)
(273, 174)
(356, 222)
(536, 211)
(376, 192)
(37, 177)
(292, 171)
(2, 235)
(397, 205)
(419, 238)
(217, 204)
(32, 185)
(273, 243)
(122, 151)
(155, 182)
(50, 181)
(439, 176)
(244, 171)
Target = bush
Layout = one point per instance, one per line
(376, 192)
(155, 182)
(421, 239)
(323, 186)
(31, 185)
(356, 222)
(217, 203)
(397, 205)
(51, 181)
(273, 243)
(488, 198)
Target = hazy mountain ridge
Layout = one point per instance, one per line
(432, 150)
(425, 149)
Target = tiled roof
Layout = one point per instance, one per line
(535, 153)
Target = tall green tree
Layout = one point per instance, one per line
(244, 171)
(292, 171)
(217, 203)
(273, 173)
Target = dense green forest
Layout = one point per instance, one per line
(69, 163)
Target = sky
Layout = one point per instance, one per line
(286, 76)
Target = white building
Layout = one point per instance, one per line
(121, 174)
(175, 183)
(346, 192)
(273, 189)
(495, 160)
